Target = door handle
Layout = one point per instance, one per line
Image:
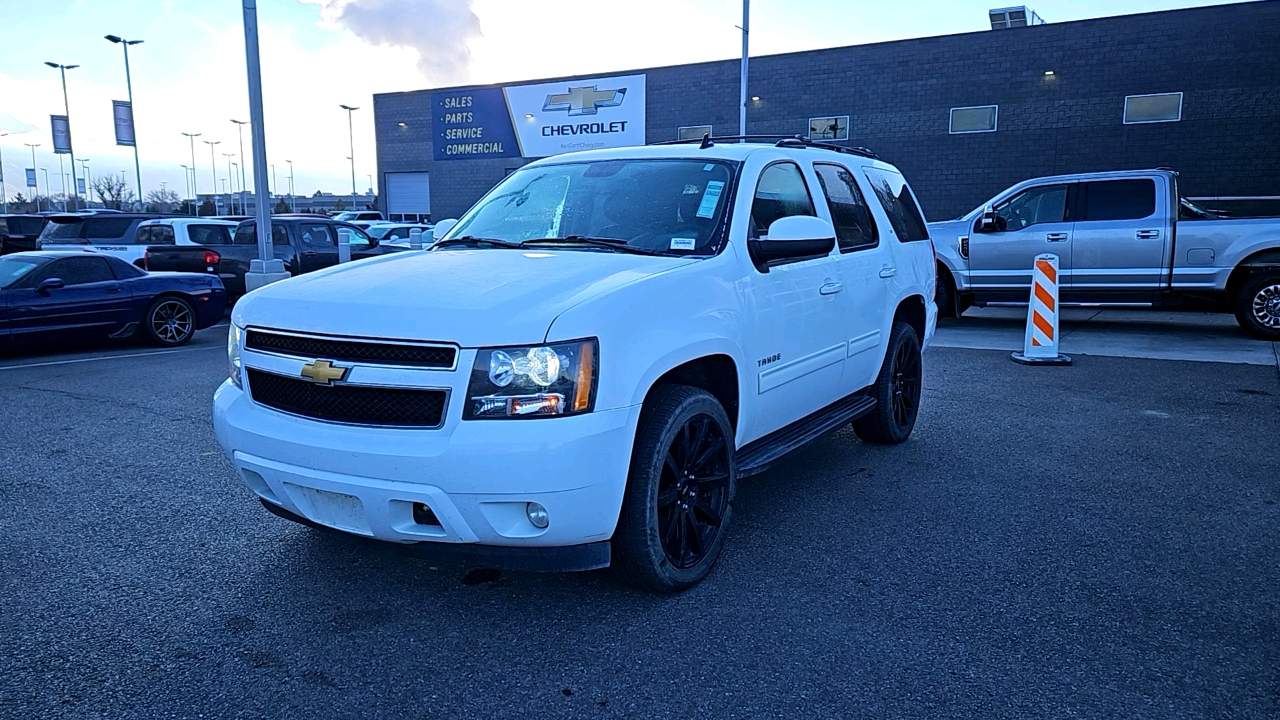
(831, 288)
(309, 253)
(1148, 234)
(888, 272)
(113, 289)
(1056, 237)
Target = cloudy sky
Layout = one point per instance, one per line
(189, 74)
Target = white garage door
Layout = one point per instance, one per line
(408, 196)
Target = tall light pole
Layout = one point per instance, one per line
(293, 203)
(66, 108)
(88, 187)
(213, 171)
(186, 178)
(240, 128)
(351, 133)
(195, 191)
(4, 191)
(266, 268)
(137, 165)
(62, 182)
(33, 147)
(274, 183)
(742, 90)
(231, 197)
(48, 191)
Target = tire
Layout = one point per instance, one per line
(1257, 306)
(679, 495)
(896, 391)
(170, 321)
(944, 294)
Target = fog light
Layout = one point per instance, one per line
(537, 514)
(423, 515)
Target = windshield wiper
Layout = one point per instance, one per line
(608, 243)
(473, 240)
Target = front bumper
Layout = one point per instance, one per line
(475, 476)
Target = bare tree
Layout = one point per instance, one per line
(162, 200)
(113, 192)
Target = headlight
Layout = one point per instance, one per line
(539, 381)
(235, 340)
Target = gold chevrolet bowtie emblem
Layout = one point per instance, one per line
(322, 372)
(584, 100)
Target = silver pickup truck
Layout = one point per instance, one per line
(1122, 238)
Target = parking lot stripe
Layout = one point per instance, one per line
(106, 357)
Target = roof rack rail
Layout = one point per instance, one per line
(707, 141)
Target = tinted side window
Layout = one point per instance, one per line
(160, 235)
(78, 271)
(316, 235)
(1044, 204)
(356, 239)
(780, 193)
(247, 234)
(144, 235)
(855, 229)
(122, 269)
(1118, 199)
(894, 195)
(209, 234)
(107, 228)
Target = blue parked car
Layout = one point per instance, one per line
(48, 297)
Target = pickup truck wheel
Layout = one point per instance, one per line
(170, 321)
(679, 493)
(944, 295)
(1258, 306)
(896, 391)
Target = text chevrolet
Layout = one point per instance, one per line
(580, 370)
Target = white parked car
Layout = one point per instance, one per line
(397, 234)
(581, 369)
(132, 245)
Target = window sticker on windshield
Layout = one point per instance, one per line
(684, 243)
(710, 197)
(708, 167)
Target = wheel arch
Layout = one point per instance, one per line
(1244, 270)
(911, 310)
(716, 373)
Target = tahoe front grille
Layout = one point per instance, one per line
(355, 404)
(384, 353)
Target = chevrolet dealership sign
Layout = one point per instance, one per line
(539, 120)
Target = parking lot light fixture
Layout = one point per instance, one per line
(240, 129)
(351, 134)
(66, 108)
(213, 170)
(33, 147)
(195, 191)
(128, 79)
(293, 203)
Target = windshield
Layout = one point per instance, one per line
(377, 232)
(664, 206)
(13, 268)
(346, 216)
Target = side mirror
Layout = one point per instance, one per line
(50, 284)
(792, 239)
(990, 222)
(442, 227)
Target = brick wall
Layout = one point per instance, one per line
(1225, 59)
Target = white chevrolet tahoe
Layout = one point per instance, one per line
(580, 370)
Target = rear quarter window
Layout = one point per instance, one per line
(63, 231)
(209, 234)
(110, 229)
(899, 205)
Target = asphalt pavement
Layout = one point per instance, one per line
(1101, 540)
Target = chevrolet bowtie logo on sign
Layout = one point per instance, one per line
(322, 372)
(584, 100)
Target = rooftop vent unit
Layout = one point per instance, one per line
(1011, 17)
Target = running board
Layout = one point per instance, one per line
(759, 455)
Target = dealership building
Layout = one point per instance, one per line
(963, 116)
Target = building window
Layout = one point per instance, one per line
(829, 128)
(693, 132)
(1163, 107)
(977, 119)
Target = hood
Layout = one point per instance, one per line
(473, 297)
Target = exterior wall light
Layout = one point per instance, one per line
(1048, 73)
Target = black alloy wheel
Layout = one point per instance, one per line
(693, 491)
(896, 391)
(679, 495)
(170, 321)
